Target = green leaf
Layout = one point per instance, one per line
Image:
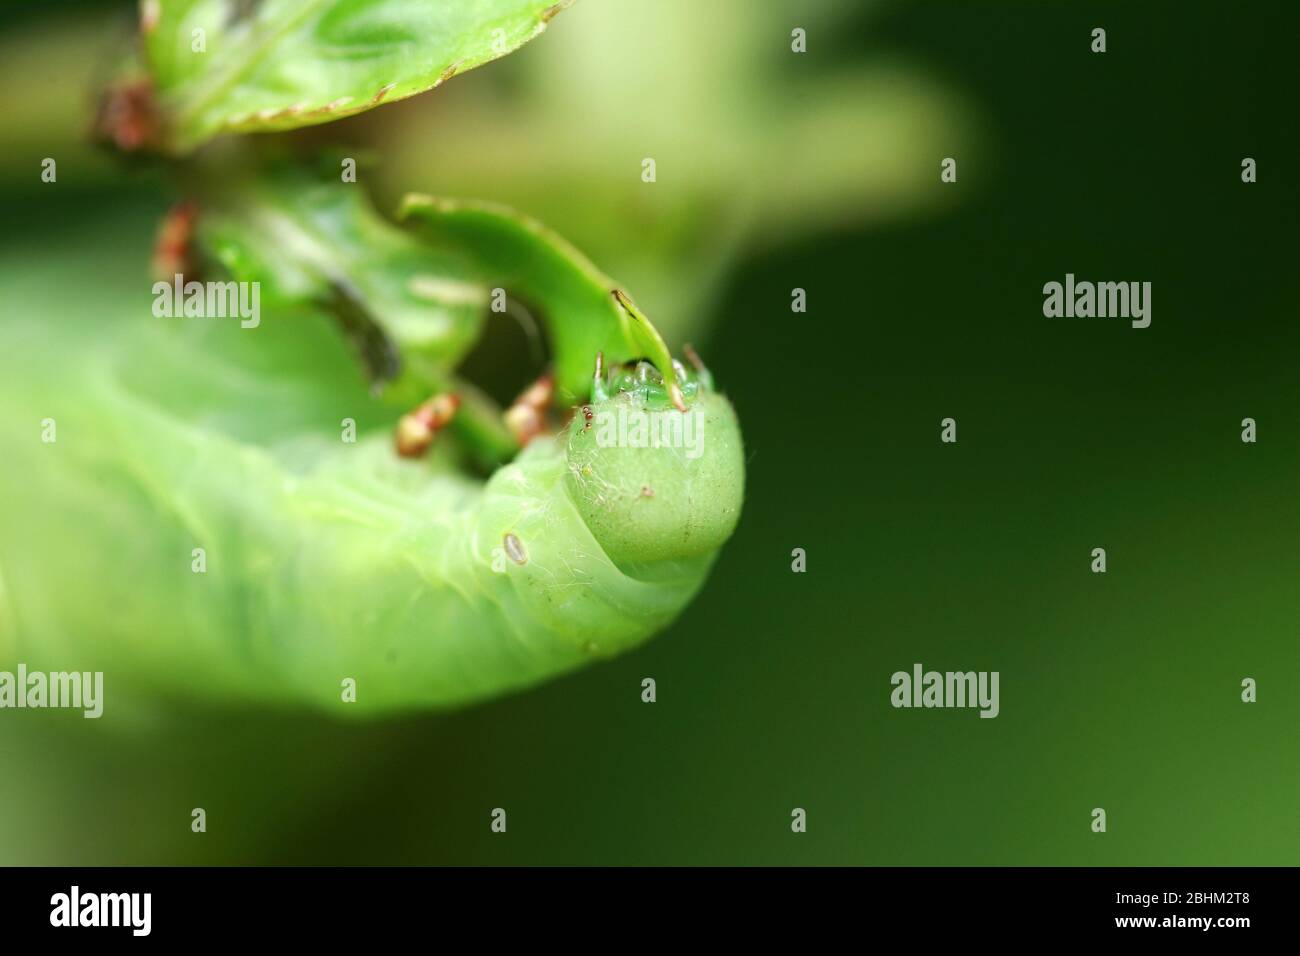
(406, 305)
(414, 301)
(282, 64)
(585, 311)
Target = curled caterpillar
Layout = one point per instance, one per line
(199, 527)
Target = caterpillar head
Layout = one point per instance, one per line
(657, 471)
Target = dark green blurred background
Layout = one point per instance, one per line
(1119, 690)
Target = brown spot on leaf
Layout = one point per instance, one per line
(331, 106)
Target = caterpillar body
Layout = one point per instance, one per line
(198, 528)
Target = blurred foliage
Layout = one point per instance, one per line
(1118, 690)
(736, 123)
(754, 146)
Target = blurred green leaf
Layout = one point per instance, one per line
(756, 146)
(229, 66)
(320, 242)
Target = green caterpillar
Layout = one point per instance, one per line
(198, 526)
